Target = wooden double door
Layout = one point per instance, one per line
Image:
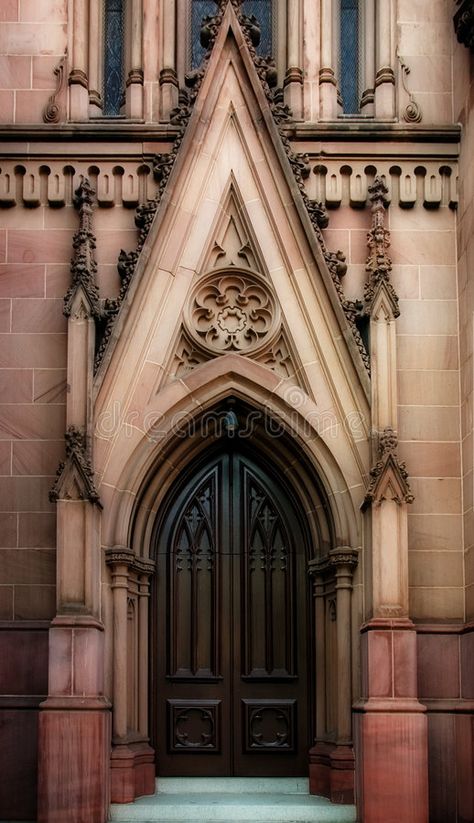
(231, 669)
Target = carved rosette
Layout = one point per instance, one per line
(233, 312)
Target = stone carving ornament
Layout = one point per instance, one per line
(232, 312)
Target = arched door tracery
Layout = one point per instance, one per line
(232, 644)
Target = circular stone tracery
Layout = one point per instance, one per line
(230, 312)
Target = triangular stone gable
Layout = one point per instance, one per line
(232, 179)
(233, 240)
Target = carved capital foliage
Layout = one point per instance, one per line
(123, 556)
(337, 558)
(75, 475)
(83, 264)
(464, 23)
(379, 264)
(389, 476)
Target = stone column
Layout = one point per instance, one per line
(319, 782)
(134, 83)
(293, 82)
(73, 777)
(327, 71)
(168, 74)
(331, 769)
(78, 76)
(385, 75)
(344, 561)
(368, 93)
(132, 762)
(390, 718)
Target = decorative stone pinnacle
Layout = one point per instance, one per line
(83, 264)
(379, 264)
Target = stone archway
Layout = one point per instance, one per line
(328, 560)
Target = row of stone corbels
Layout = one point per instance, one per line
(333, 183)
(431, 184)
(53, 183)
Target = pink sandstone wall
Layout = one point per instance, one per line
(464, 108)
(435, 367)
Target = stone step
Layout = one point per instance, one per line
(234, 785)
(252, 801)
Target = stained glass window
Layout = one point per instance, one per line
(349, 63)
(262, 9)
(113, 56)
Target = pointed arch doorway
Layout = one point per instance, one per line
(232, 674)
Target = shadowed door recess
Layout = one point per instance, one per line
(231, 679)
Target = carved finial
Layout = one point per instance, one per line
(75, 475)
(83, 264)
(389, 476)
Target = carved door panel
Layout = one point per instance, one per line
(231, 615)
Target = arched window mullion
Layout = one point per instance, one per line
(114, 57)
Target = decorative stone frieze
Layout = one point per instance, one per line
(464, 23)
(410, 183)
(334, 183)
(75, 475)
(389, 476)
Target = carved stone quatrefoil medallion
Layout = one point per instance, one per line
(232, 312)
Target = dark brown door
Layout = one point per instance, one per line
(231, 671)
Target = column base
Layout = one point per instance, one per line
(132, 771)
(331, 772)
(73, 760)
(392, 761)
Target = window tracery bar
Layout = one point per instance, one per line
(349, 55)
(114, 26)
